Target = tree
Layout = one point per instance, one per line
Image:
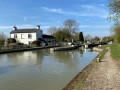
(114, 9)
(62, 35)
(107, 38)
(51, 30)
(116, 30)
(87, 38)
(81, 38)
(96, 39)
(75, 37)
(2, 38)
(71, 25)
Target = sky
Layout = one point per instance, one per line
(90, 14)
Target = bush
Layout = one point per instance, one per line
(12, 45)
(10, 40)
(2, 42)
(36, 43)
(20, 44)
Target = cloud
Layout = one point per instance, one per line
(97, 26)
(97, 33)
(8, 29)
(88, 6)
(5, 27)
(53, 10)
(91, 11)
(22, 26)
(25, 19)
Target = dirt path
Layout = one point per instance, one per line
(105, 76)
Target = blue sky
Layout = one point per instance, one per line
(90, 14)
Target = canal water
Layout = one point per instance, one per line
(42, 69)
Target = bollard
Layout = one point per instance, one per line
(98, 59)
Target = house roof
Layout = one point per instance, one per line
(24, 31)
(47, 36)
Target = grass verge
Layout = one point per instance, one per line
(115, 52)
(102, 54)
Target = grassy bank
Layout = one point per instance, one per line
(104, 51)
(115, 52)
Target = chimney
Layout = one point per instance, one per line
(14, 28)
(38, 27)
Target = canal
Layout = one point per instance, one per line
(42, 69)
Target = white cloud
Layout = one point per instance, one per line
(25, 19)
(97, 26)
(25, 26)
(5, 27)
(88, 6)
(92, 11)
(97, 33)
(21, 26)
(53, 10)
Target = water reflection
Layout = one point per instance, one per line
(26, 58)
(41, 68)
(68, 58)
(81, 52)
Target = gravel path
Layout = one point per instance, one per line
(105, 76)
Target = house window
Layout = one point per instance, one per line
(30, 36)
(15, 35)
(22, 36)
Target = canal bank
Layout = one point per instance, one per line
(78, 80)
(26, 49)
(105, 76)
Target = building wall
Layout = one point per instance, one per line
(39, 34)
(49, 40)
(24, 39)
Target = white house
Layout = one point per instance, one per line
(26, 36)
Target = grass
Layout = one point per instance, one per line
(115, 52)
(102, 54)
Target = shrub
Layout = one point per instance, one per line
(10, 40)
(2, 42)
(36, 43)
(12, 45)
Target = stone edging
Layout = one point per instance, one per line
(27, 49)
(74, 82)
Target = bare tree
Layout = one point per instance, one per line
(2, 36)
(51, 30)
(71, 25)
(87, 37)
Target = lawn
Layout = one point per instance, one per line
(115, 51)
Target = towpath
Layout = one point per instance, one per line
(105, 76)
